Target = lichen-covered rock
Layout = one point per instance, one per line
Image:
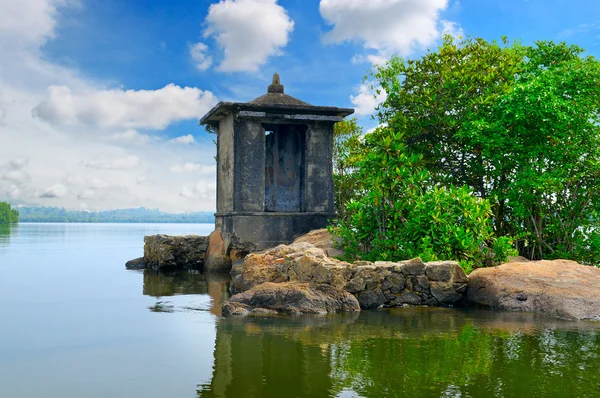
(382, 283)
(164, 251)
(290, 298)
(261, 267)
(558, 288)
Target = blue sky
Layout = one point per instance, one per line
(100, 100)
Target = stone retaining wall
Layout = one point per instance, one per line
(379, 284)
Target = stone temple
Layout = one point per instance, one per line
(274, 166)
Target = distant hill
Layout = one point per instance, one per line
(137, 215)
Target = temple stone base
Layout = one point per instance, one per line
(266, 230)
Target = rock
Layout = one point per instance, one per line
(374, 284)
(258, 268)
(137, 263)
(412, 267)
(558, 288)
(290, 298)
(445, 292)
(164, 251)
(408, 298)
(371, 299)
(322, 239)
(216, 258)
(439, 271)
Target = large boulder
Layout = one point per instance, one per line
(290, 298)
(217, 257)
(164, 251)
(322, 239)
(558, 288)
(261, 267)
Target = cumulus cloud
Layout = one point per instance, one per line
(130, 136)
(198, 54)
(367, 100)
(15, 171)
(28, 22)
(55, 191)
(87, 194)
(184, 140)
(248, 31)
(385, 26)
(452, 28)
(202, 190)
(193, 168)
(78, 148)
(124, 163)
(119, 108)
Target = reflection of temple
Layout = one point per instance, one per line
(250, 363)
(181, 283)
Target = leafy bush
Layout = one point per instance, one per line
(400, 215)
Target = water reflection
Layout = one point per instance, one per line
(421, 352)
(5, 232)
(161, 285)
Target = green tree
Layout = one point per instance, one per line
(7, 214)
(519, 125)
(347, 151)
(401, 215)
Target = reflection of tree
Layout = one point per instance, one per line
(5, 231)
(414, 352)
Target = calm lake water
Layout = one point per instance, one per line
(75, 323)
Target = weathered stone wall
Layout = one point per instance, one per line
(164, 251)
(379, 284)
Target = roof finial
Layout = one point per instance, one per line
(276, 86)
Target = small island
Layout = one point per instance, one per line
(8, 215)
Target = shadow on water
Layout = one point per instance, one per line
(178, 283)
(429, 352)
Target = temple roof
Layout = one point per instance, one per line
(274, 101)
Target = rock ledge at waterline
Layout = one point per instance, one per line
(301, 266)
(558, 288)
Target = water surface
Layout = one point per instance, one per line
(75, 323)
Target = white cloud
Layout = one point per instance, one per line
(452, 28)
(117, 108)
(184, 140)
(366, 100)
(198, 54)
(385, 26)
(124, 163)
(130, 136)
(29, 22)
(55, 191)
(87, 194)
(87, 148)
(98, 183)
(202, 190)
(248, 31)
(194, 167)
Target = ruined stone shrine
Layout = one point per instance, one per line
(274, 166)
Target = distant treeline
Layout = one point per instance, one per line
(137, 215)
(8, 215)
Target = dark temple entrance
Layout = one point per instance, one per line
(284, 167)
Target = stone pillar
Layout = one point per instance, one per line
(318, 194)
(249, 184)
